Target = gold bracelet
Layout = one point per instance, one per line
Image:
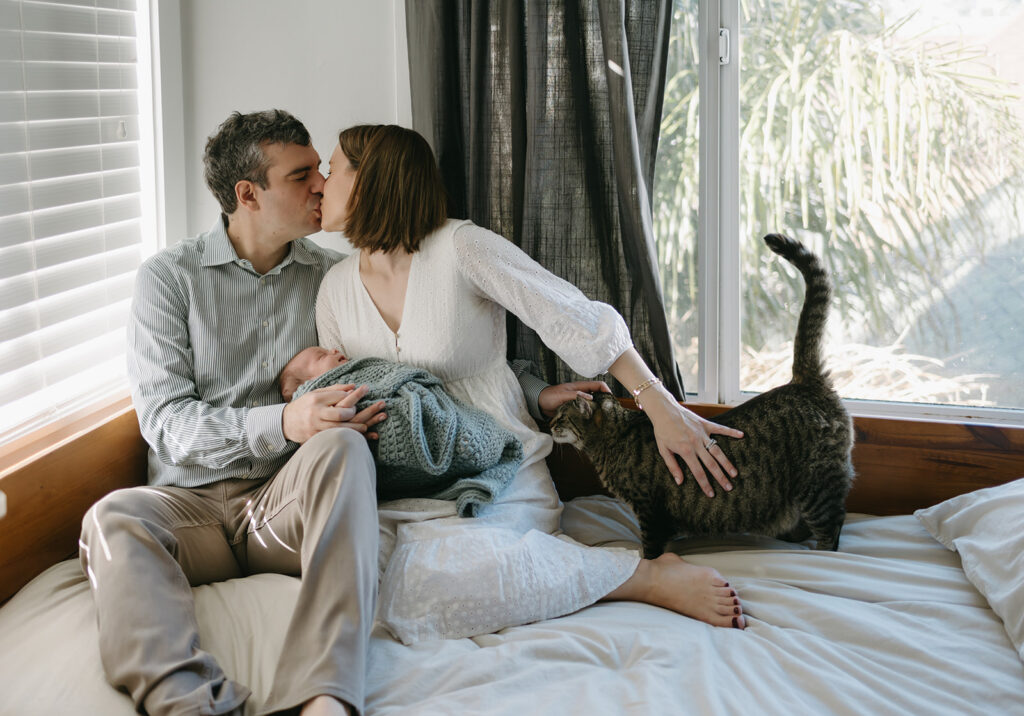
(641, 388)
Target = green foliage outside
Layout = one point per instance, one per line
(890, 157)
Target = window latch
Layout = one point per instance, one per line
(723, 46)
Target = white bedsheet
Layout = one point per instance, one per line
(887, 625)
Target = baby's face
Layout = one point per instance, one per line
(317, 361)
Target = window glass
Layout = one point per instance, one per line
(72, 218)
(676, 191)
(887, 136)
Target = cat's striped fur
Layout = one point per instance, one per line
(793, 461)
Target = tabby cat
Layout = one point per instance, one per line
(794, 461)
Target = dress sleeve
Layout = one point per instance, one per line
(328, 326)
(588, 335)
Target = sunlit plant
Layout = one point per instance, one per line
(888, 155)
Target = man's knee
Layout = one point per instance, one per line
(107, 513)
(342, 455)
(132, 511)
(341, 444)
(107, 518)
(344, 439)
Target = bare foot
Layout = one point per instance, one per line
(673, 583)
(325, 706)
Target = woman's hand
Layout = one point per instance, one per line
(554, 396)
(368, 417)
(686, 434)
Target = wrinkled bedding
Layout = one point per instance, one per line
(889, 624)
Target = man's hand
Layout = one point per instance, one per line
(330, 407)
(552, 397)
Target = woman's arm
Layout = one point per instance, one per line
(589, 336)
(678, 431)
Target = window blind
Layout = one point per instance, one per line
(71, 227)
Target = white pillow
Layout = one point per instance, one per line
(987, 528)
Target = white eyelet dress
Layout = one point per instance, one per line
(450, 577)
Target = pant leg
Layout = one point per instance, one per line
(318, 516)
(143, 548)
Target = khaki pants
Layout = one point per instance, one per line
(143, 547)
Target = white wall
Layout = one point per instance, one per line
(331, 63)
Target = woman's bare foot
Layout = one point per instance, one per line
(325, 706)
(673, 583)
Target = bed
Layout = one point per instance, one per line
(896, 621)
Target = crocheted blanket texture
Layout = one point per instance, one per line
(431, 445)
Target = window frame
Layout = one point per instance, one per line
(719, 269)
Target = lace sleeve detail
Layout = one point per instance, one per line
(587, 335)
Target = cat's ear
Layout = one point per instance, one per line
(586, 407)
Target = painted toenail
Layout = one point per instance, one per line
(732, 593)
(736, 602)
(735, 623)
(735, 610)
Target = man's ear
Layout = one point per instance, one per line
(245, 193)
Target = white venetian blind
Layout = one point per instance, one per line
(70, 206)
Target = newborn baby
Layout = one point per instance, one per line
(307, 364)
(431, 444)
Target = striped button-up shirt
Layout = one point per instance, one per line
(208, 337)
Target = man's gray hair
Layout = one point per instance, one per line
(235, 152)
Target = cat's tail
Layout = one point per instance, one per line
(808, 359)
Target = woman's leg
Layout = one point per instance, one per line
(673, 583)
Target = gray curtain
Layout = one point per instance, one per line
(544, 117)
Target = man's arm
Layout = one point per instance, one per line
(181, 428)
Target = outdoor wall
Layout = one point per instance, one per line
(330, 63)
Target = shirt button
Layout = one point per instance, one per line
(266, 323)
(255, 403)
(264, 364)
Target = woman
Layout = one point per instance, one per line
(433, 292)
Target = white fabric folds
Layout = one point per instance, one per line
(890, 624)
(986, 527)
(484, 579)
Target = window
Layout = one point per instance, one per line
(75, 192)
(885, 135)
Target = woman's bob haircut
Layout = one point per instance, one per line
(398, 195)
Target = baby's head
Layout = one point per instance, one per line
(306, 365)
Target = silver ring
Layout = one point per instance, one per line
(710, 443)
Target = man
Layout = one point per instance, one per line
(239, 481)
(213, 321)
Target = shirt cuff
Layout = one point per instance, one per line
(264, 429)
(532, 387)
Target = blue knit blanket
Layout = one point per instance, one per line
(431, 445)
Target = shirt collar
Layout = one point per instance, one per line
(218, 249)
